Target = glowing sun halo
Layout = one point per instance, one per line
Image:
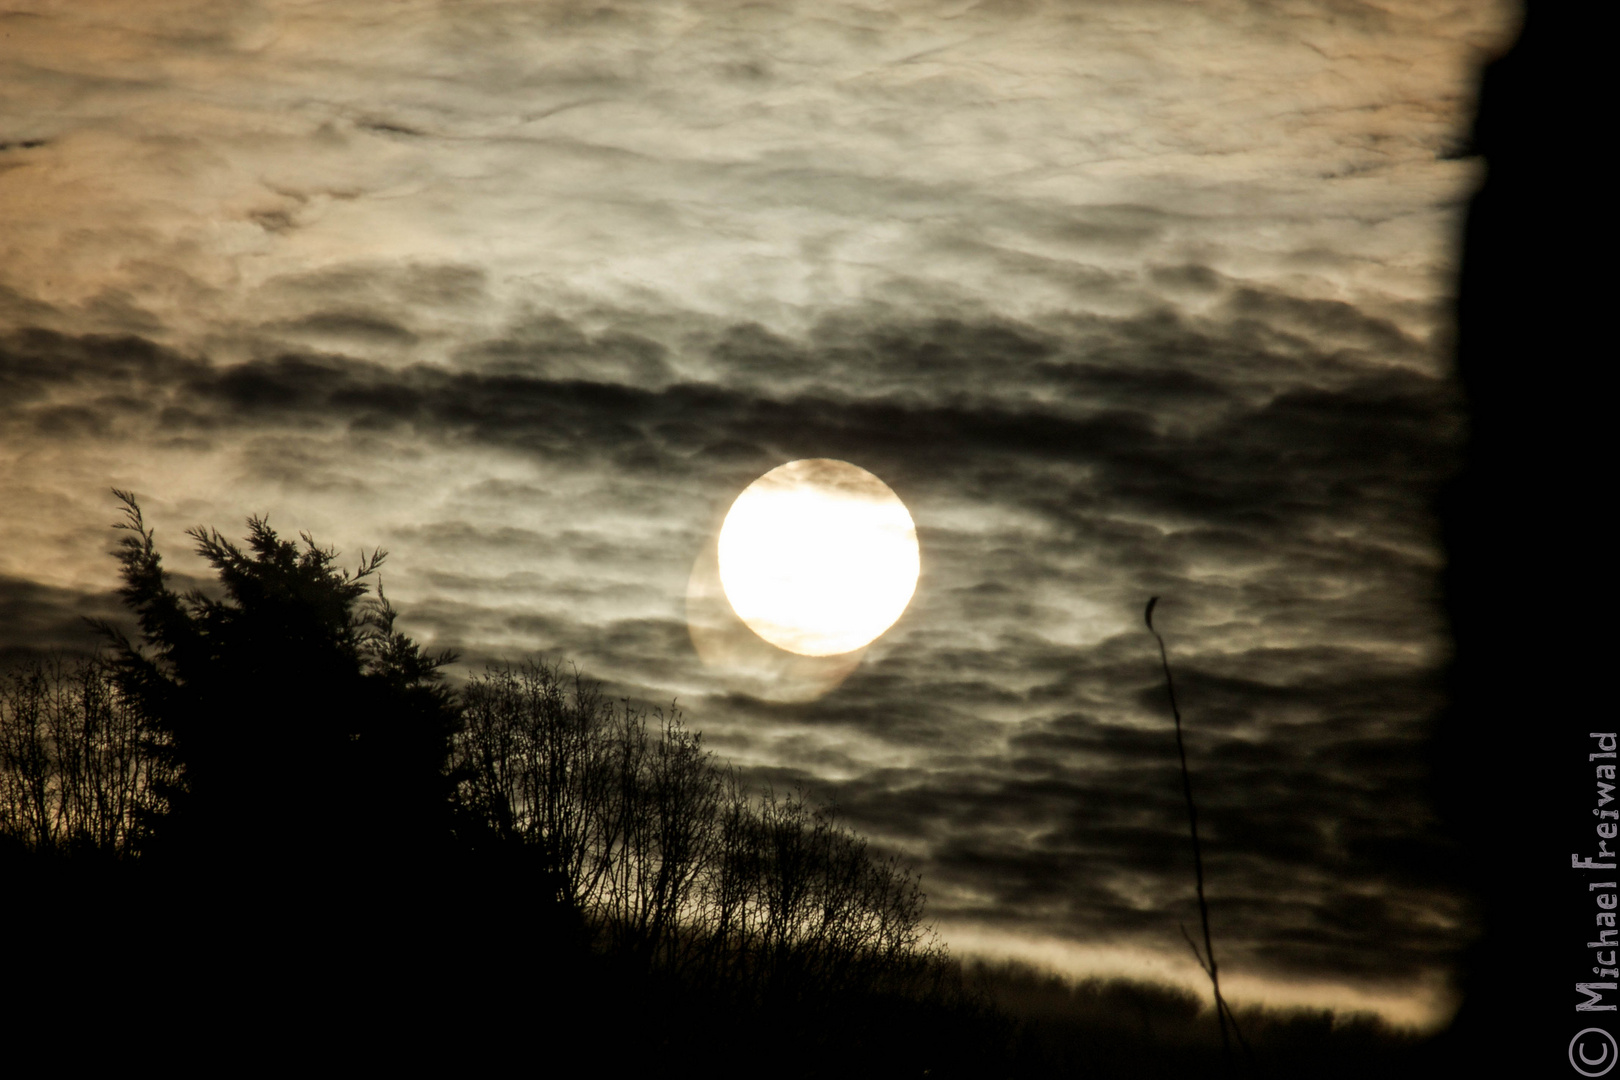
(818, 557)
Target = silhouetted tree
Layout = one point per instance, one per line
(75, 777)
(293, 720)
(669, 862)
(536, 771)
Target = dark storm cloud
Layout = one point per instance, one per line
(551, 346)
(380, 290)
(1242, 470)
(351, 325)
(1367, 437)
(647, 652)
(1086, 816)
(386, 127)
(39, 619)
(38, 362)
(20, 309)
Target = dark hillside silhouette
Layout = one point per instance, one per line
(1152, 1031)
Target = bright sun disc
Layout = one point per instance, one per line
(818, 557)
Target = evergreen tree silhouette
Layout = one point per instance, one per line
(299, 722)
(309, 808)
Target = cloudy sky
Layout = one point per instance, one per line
(1122, 299)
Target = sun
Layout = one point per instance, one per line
(818, 557)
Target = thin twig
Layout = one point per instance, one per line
(1230, 1015)
(1210, 968)
(1196, 954)
(1248, 1052)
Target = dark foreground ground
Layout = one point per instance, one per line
(247, 973)
(1119, 1028)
